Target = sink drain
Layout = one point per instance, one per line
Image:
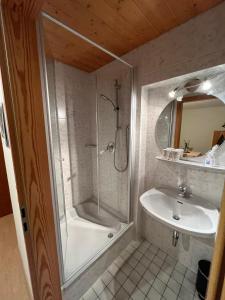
(110, 235)
(176, 217)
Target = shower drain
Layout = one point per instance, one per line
(110, 235)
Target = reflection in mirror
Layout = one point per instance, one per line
(164, 127)
(197, 125)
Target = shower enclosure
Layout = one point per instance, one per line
(88, 120)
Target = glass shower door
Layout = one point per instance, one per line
(113, 119)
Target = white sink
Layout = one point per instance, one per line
(194, 216)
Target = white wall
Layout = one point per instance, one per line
(199, 124)
(15, 203)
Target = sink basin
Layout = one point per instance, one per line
(194, 216)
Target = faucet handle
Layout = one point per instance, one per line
(185, 191)
(182, 187)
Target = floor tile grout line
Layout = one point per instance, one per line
(166, 284)
(151, 286)
(127, 276)
(138, 260)
(182, 283)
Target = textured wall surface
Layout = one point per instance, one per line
(113, 185)
(73, 111)
(204, 183)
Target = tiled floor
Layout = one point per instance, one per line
(143, 271)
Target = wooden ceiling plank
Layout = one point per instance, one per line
(73, 48)
(201, 6)
(187, 9)
(108, 15)
(76, 16)
(183, 10)
(138, 22)
(117, 25)
(60, 42)
(66, 60)
(74, 60)
(158, 12)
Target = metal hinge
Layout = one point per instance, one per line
(23, 213)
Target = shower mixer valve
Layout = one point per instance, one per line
(110, 147)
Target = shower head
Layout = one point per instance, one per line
(115, 108)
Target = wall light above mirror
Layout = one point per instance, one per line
(210, 85)
(192, 126)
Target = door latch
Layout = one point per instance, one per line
(23, 213)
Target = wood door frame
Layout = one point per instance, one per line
(19, 63)
(216, 287)
(179, 111)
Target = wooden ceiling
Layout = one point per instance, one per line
(118, 25)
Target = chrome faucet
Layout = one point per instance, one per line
(184, 191)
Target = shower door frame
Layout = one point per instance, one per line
(48, 128)
(66, 282)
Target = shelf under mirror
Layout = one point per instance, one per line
(192, 164)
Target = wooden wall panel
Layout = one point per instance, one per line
(24, 107)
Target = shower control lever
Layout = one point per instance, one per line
(110, 147)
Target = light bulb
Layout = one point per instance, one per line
(172, 94)
(206, 85)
